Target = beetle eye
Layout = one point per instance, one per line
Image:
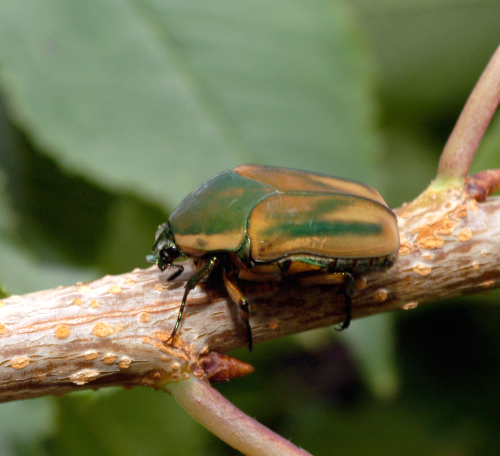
(171, 253)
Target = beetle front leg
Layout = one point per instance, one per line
(177, 273)
(237, 297)
(205, 270)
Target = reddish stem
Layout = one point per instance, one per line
(471, 125)
(212, 410)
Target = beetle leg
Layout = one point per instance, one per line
(237, 297)
(206, 269)
(347, 290)
(284, 266)
(176, 273)
(346, 281)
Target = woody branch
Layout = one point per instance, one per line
(111, 331)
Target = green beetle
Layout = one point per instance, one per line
(263, 223)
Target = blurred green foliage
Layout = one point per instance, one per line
(111, 112)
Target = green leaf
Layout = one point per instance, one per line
(27, 422)
(488, 156)
(156, 96)
(7, 220)
(430, 54)
(372, 340)
(3, 292)
(128, 423)
(410, 163)
(7, 217)
(22, 273)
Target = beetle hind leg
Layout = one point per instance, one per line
(236, 295)
(346, 282)
(346, 290)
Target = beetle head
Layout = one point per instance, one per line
(165, 250)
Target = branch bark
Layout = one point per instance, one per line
(112, 331)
